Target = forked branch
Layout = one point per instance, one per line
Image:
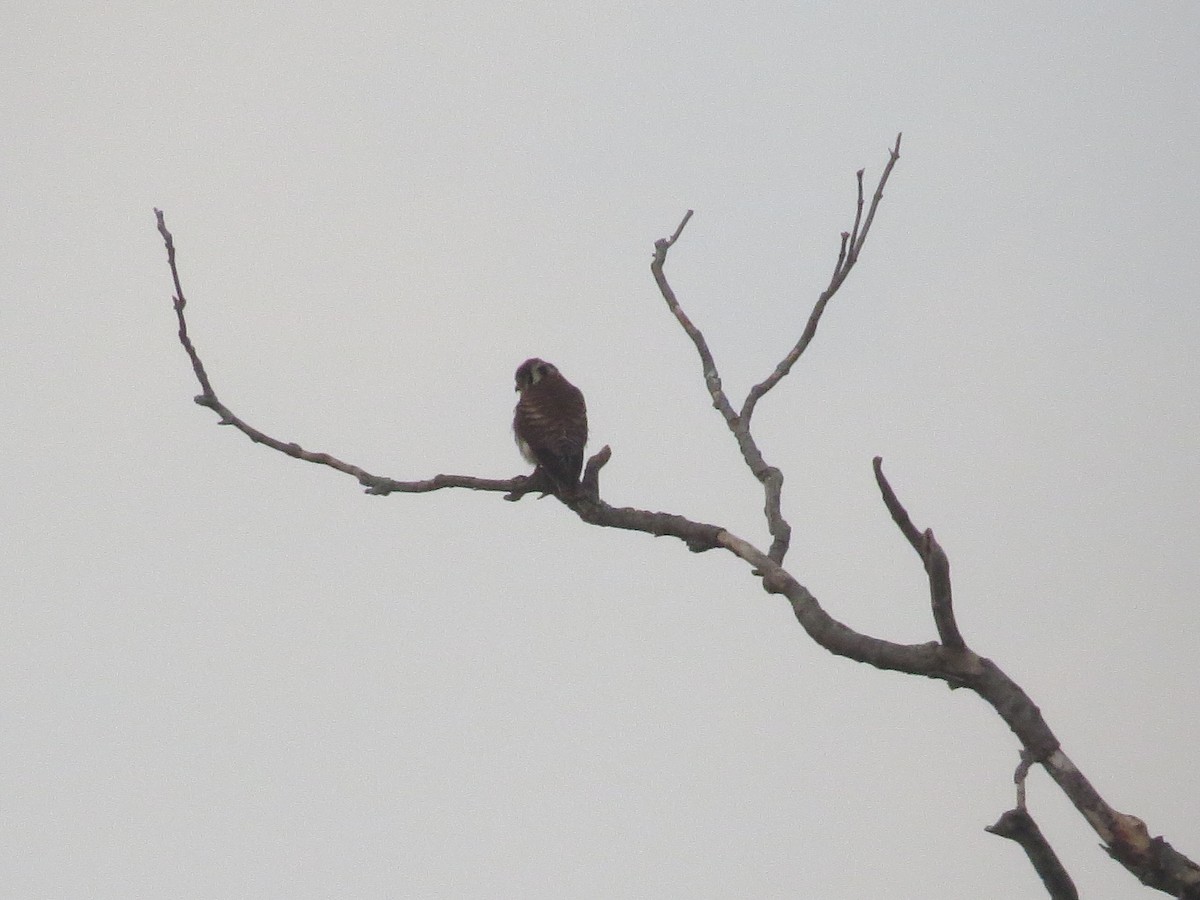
(739, 422)
(852, 244)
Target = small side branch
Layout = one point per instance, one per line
(1017, 825)
(769, 476)
(738, 422)
(375, 484)
(210, 397)
(712, 378)
(851, 247)
(937, 564)
(937, 567)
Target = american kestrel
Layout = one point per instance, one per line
(550, 424)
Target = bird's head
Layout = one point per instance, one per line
(532, 371)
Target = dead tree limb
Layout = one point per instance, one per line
(852, 244)
(948, 659)
(698, 536)
(739, 422)
(937, 564)
(1017, 825)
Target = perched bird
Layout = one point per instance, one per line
(550, 424)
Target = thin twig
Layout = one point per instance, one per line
(858, 176)
(841, 259)
(679, 230)
(179, 302)
(852, 244)
(769, 476)
(374, 484)
(1021, 775)
(712, 378)
(893, 155)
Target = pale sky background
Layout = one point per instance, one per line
(226, 674)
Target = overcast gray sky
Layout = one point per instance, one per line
(224, 673)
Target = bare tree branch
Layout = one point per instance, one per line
(769, 476)
(1017, 825)
(856, 246)
(374, 484)
(852, 244)
(937, 564)
(588, 505)
(858, 208)
(899, 513)
(712, 379)
(739, 422)
(1125, 837)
